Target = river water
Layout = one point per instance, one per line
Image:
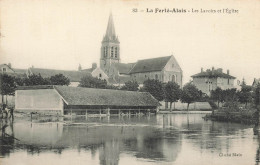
(174, 139)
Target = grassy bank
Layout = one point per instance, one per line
(245, 116)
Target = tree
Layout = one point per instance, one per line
(230, 97)
(59, 79)
(257, 97)
(172, 93)
(36, 80)
(190, 94)
(92, 82)
(130, 86)
(7, 86)
(217, 95)
(245, 95)
(155, 88)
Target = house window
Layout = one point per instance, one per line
(173, 78)
(4, 69)
(112, 51)
(145, 76)
(115, 52)
(228, 81)
(100, 75)
(156, 77)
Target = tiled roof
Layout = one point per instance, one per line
(20, 71)
(148, 65)
(90, 70)
(211, 74)
(74, 76)
(105, 97)
(124, 68)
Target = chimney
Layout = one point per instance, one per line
(79, 68)
(94, 65)
(228, 71)
(201, 70)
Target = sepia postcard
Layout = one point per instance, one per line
(125, 82)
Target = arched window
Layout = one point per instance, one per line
(112, 51)
(106, 51)
(115, 52)
(173, 78)
(156, 77)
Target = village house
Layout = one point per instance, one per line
(74, 75)
(8, 69)
(95, 72)
(209, 80)
(64, 100)
(163, 69)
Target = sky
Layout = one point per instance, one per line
(62, 34)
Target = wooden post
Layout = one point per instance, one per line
(139, 112)
(119, 113)
(86, 113)
(108, 111)
(100, 112)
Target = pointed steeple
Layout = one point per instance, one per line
(110, 32)
(110, 27)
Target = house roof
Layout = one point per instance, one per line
(148, 65)
(105, 97)
(212, 74)
(20, 71)
(90, 70)
(74, 76)
(124, 68)
(6, 66)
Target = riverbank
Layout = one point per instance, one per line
(184, 111)
(241, 116)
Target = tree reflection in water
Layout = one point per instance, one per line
(157, 138)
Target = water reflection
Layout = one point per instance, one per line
(114, 140)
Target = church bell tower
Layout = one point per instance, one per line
(110, 48)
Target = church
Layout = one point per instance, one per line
(164, 68)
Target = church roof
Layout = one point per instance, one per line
(74, 76)
(149, 65)
(124, 68)
(110, 32)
